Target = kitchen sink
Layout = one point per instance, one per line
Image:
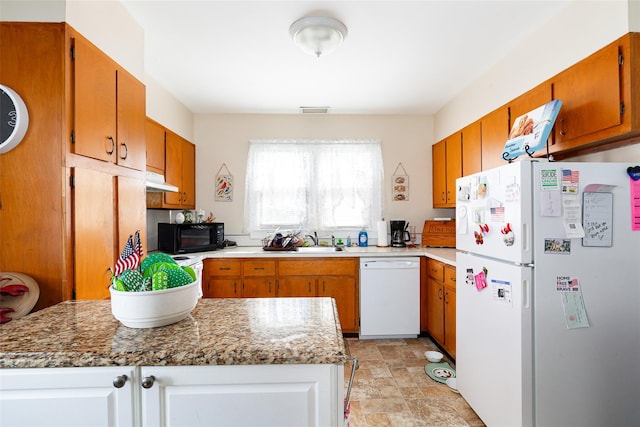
(318, 249)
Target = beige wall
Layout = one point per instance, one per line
(224, 139)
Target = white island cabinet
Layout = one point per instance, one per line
(67, 397)
(242, 362)
(243, 396)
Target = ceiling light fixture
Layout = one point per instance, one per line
(318, 35)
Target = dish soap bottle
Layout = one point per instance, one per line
(363, 238)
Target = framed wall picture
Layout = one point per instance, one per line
(400, 184)
(224, 185)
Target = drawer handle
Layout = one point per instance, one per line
(453, 279)
(258, 268)
(225, 268)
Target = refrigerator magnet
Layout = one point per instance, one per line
(481, 280)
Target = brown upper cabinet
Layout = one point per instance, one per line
(109, 108)
(471, 149)
(600, 110)
(155, 147)
(447, 167)
(600, 98)
(179, 160)
(495, 132)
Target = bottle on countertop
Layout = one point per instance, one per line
(363, 238)
(349, 240)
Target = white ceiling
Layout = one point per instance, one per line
(400, 57)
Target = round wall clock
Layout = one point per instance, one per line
(14, 119)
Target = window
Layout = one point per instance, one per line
(313, 185)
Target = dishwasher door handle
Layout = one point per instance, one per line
(390, 265)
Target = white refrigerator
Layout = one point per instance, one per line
(548, 322)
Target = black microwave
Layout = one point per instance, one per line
(186, 238)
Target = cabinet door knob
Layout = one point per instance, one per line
(120, 381)
(147, 382)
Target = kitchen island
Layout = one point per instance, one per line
(263, 361)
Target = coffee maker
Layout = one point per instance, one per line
(399, 233)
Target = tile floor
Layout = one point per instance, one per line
(392, 389)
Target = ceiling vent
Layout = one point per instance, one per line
(314, 110)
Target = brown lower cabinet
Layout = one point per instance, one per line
(287, 277)
(440, 298)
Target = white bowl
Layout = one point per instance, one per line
(433, 356)
(451, 382)
(151, 309)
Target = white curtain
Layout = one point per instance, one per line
(313, 184)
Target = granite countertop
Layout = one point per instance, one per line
(446, 255)
(230, 331)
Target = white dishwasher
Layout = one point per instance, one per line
(389, 297)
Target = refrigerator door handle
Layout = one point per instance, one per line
(526, 297)
(525, 237)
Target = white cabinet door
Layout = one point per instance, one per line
(249, 395)
(66, 397)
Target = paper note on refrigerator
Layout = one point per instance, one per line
(635, 204)
(575, 313)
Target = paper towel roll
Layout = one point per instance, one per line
(381, 231)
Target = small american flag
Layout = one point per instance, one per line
(129, 258)
(138, 244)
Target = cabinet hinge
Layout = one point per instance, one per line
(622, 108)
(72, 181)
(72, 51)
(620, 58)
(73, 137)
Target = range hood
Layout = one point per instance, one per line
(155, 183)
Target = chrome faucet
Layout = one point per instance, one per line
(314, 238)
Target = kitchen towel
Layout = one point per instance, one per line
(381, 232)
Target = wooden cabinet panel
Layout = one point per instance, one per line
(298, 286)
(188, 187)
(450, 310)
(94, 233)
(317, 267)
(454, 167)
(258, 287)
(223, 267)
(494, 133)
(590, 95)
(155, 147)
(173, 168)
(435, 309)
(441, 304)
(131, 121)
(471, 149)
(131, 213)
(435, 270)
(94, 102)
(343, 290)
(179, 170)
(447, 167)
(439, 171)
(109, 106)
(257, 267)
(217, 287)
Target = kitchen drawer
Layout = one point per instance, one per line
(222, 267)
(318, 267)
(259, 268)
(450, 276)
(435, 270)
